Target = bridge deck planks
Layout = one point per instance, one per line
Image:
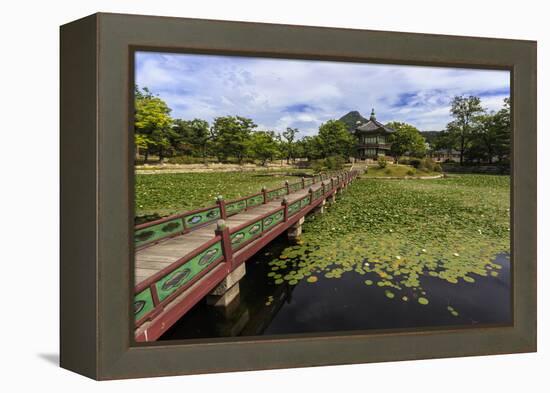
(152, 259)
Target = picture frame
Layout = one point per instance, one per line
(96, 144)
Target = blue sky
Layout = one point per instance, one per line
(280, 93)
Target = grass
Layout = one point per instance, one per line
(162, 194)
(403, 171)
(394, 233)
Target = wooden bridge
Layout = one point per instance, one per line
(182, 258)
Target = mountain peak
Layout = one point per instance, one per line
(352, 119)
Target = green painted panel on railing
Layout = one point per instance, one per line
(293, 208)
(241, 237)
(305, 201)
(273, 219)
(186, 272)
(308, 182)
(295, 186)
(276, 193)
(157, 232)
(235, 207)
(255, 200)
(193, 220)
(143, 303)
(317, 194)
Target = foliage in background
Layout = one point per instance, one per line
(152, 122)
(382, 162)
(288, 143)
(263, 146)
(479, 136)
(335, 139)
(231, 135)
(406, 139)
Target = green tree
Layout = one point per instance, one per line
(503, 131)
(310, 147)
(491, 136)
(152, 122)
(465, 111)
(335, 139)
(230, 136)
(263, 146)
(193, 136)
(406, 139)
(289, 143)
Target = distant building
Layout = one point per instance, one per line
(445, 155)
(372, 138)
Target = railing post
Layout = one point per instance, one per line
(264, 192)
(310, 191)
(284, 202)
(332, 183)
(223, 230)
(323, 186)
(221, 204)
(303, 183)
(287, 187)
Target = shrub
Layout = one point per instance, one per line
(318, 165)
(185, 160)
(428, 163)
(330, 163)
(334, 163)
(411, 172)
(437, 168)
(415, 163)
(382, 162)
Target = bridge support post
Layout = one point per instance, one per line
(320, 208)
(227, 290)
(295, 230)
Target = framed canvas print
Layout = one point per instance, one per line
(240, 196)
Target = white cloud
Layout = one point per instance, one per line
(265, 90)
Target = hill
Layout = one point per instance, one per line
(351, 119)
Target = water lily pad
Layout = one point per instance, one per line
(389, 294)
(368, 282)
(423, 300)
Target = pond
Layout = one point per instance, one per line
(386, 255)
(345, 304)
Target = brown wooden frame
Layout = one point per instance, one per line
(97, 195)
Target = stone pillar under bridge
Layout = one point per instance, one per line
(320, 208)
(295, 230)
(228, 290)
(332, 198)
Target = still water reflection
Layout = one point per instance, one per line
(329, 305)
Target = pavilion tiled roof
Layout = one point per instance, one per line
(373, 126)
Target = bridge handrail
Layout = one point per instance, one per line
(151, 284)
(152, 232)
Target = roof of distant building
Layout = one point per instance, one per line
(373, 126)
